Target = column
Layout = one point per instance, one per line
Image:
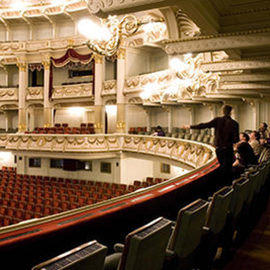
(7, 120)
(22, 93)
(121, 102)
(99, 119)
(48, 110)
(170, 119)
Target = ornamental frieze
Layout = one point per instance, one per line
(9, 94)
(34, 93)
(190, 153)
(73, 91)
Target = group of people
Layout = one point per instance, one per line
(235, 152)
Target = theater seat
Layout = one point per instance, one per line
(144, 248)
(85, 257)
(215, 223)
(186, 236)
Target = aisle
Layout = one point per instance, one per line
(254, 254)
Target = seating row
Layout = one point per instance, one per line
(201, 228)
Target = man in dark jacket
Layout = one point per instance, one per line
(226, 134)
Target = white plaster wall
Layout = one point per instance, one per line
(159, 117)
(2, 121)
(181, 116)
(95, 174)
(2, 33)
(202, 114)
(137, 62)
(38, 117)
(64, 29)
(2, 77)
(246, 119)
(130, 171)
(13, 75)
(42, 31)
(110, 71)
(137, 116)
(60, 75)
(19, 32)
(158, 61)
(6, 159)
(174, 171)
(64, 116)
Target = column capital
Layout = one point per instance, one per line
(98, 59)
(121, 53)
(21, 66)
(46, 64)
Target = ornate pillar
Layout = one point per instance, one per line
(99, 110)
(48, 110)
(7, 120)
(121, 102)
(22, 93)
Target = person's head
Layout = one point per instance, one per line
(159, 128)
(254, 135)
(263, 126)
(243, 137)
(227, 110)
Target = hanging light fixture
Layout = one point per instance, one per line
(104, 37)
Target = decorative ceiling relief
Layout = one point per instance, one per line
(187, 28)
(189, 82)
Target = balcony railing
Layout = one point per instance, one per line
(83, 90)
(185, 152)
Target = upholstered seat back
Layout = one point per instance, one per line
(188, 228)
(87, 256)
(145, 247)
(240, 195)
(218, 209)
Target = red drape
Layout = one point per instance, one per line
(73, 56)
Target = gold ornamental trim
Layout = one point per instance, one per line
(21, 66)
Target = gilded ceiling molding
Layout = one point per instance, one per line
(256, 63)
(187, 28)
(220, 42)
(100, 7)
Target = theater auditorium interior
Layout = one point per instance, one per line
(98, 169)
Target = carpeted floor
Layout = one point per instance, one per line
(254, 253)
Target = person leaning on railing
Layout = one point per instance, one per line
(226, 134)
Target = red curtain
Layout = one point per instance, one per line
(73, 56)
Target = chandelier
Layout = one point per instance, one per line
(190, 82)
(105, 39)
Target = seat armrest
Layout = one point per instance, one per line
(169, 254)
(118, 247)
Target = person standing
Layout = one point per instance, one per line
(226, 135)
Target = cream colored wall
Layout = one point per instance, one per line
(65, 29)
(42, 31)
(137, 62)
(2, 77)
(19, 32)
(110, 71)
(64, 116)
(2, 121)
(159, 117)
(7, 159)
(95, 174)
(158, 61)
(246, 119)
(181, 116)
(202, 114)
(13, 75)
(60, 75)
(38, 117)
(174, 171)
(130, 171)
(137, 116)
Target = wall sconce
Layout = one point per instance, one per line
(104, 37)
